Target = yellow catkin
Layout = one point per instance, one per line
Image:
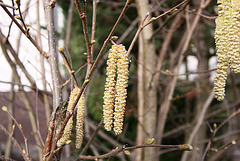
(67, 133)
(117, 60)
(220, 81)
(68, 128)
(121, 91)
(79, 123)
(233, 34)
(227, 35)
(72, 98)
(221, 45)
(109, 89)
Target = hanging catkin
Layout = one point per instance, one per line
(227, 35)
(117, 60)
(121, 91)
(68, 128)
(109, 89)
(79, 123)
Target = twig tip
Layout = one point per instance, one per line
(186, 147)
(4, 108)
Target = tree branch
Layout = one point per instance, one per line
(23, 31)
(184, 147)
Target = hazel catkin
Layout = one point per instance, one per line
(121, 91)
(79, 123)
(117, 60)
(68, 128)
(109, 89)
(227, 37)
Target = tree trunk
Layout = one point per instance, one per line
(53, 55)
(140, 100)
(57, 92)
(150, 91)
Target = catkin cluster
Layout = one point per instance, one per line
(227, 34)
(79, 125)
(115, 88)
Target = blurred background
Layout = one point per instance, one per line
(170, 89)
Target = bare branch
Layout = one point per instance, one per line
(25, 32)
(184, 147)
(24, 155)
(5, 5)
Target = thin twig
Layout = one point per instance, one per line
(37, 31)
(92, 137)
(41, 75)
(140, 28)
(144, 25)
(5, 5)
(167, 72)
(83, 16)
(233, 142)
(95, 2)
(24, 155)
(114, 152)
(17, 60)
(108, 39)
(169, 18)
(67, 65)
(21, 18)
(21, 130)
(24, 85)
(23, 31)
(227, 119)
(89, 65)
(202, 15)
(215, 131)
(69, 24)
(165, 13)
(67, 81)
